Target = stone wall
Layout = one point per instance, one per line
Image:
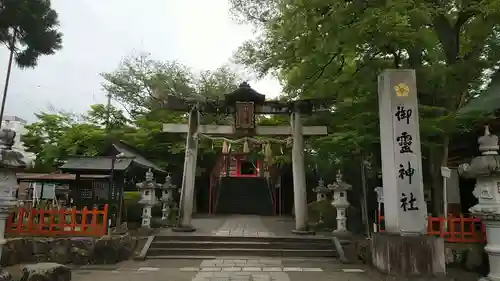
(467, 256)
(74, 250)
(464, 256)
(408, 256)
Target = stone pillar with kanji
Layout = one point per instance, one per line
(486, 170)
(404, 248)
(339, 189)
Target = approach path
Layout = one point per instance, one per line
(231, 268)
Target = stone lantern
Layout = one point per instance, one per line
(167, 198)
(321, 191)
(339, 189)
(10, 162)
(486, 170)
(148, 198)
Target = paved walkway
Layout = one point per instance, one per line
(240, 225)
(243, 226)
(234, 269)
(226, 269)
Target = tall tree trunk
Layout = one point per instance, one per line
(7, 77)
(438, 158)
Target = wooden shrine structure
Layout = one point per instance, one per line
(244, 105)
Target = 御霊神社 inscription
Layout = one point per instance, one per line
(405, 209)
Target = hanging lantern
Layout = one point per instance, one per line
(246, 149)
(225, 148)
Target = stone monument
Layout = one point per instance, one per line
(486, 170)
(339, 189)
(404, 248)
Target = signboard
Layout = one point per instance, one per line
(244, 119)
(402, 160)
(49, 190)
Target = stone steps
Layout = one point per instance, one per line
(237, 246)
(235, 252)
(249, 238)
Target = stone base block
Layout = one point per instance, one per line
(303, 232)
(341, 233)
(46, 271)
(183, 228)
(408, 256)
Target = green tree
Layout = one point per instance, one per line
(336, 49)
(138, 85)
(108, 117)
(28, 29)
(55, 136)
(141, 84)
(43, 138)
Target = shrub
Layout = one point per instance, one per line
(328, 212)
(133, 211)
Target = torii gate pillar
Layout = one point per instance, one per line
(299, 177)
(189, 175)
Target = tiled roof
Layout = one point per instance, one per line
(55, 177)
(129, 151)
(96, 163)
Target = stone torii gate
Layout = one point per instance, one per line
(244, 104)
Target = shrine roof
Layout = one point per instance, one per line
(129, 151)
(244, 93)
(129, 156)
(99, 163)
(55, 177)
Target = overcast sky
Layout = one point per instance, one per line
(98, 34)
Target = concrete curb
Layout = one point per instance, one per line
(144, 251)
(340, 250)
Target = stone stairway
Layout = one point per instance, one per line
(240, 236)
(206, 247)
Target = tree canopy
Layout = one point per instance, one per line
(136, 119)
(29, 28)
(336, 49)
(332, 50)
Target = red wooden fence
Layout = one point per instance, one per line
(452, 229)
(72, 222)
